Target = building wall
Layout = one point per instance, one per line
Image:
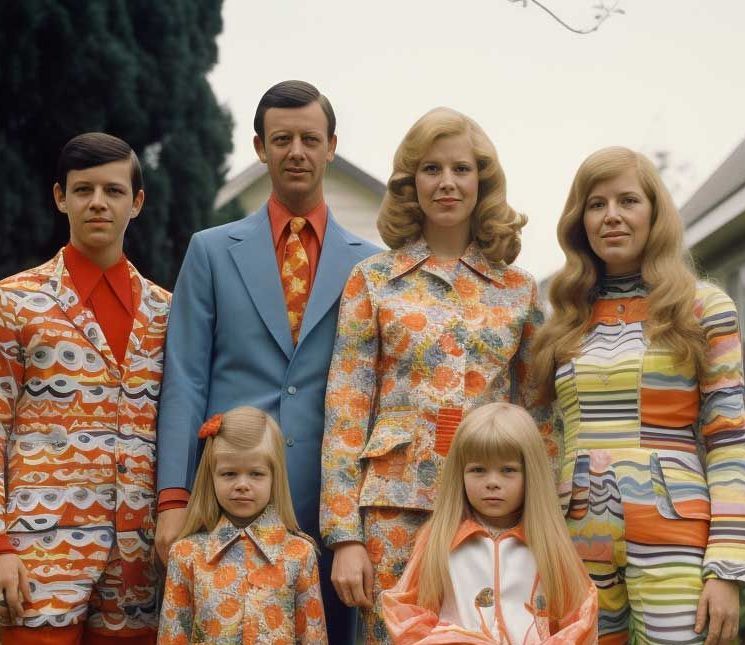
(354, 206)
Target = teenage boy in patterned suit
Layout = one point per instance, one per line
(81, 357)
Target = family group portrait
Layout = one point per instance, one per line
(283, 361)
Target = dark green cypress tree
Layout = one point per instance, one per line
(133, 68)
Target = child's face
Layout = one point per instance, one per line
(496, 489)
(243, 482)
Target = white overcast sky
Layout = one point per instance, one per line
(669, 74)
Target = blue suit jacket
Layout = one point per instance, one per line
(229, 344)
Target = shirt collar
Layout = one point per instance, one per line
(280, 216)
(267, 532)
(412, 254)
(470, 527)
(86, 275)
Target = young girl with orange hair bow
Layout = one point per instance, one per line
(242, 570)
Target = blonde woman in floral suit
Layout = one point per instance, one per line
(438, 325)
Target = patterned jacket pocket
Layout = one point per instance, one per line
(680, 488)
(392, 429)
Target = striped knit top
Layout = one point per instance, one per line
(624, 394)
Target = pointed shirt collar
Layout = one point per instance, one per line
(267, 532)
(86, 275)
(470, 527)
(280, 216)
(414, 253)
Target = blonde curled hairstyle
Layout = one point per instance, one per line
(242, 428)
(507, 432)
(494, 224)
(665, 269)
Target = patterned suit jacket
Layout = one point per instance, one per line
(77, 432)
(417, 347)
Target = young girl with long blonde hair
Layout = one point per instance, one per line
(495, 563)
(242, 571)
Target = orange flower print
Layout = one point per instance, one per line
(274, 616)
(475, 383)
(341, 505)
(224, 577)
(268, 576)
(415, 321)
(212, 627)
(450, 346)
(228, 607)
(363, 310)
(354, 286)
(466, 288)
(314, 609)
(387, 579)
(375, 548)
(444, 378)
(399, 537)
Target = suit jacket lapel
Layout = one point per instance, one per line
(334, 266)
(256, 262)
(61, 288)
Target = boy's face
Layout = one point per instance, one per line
(99, 203)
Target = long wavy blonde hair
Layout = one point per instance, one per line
(494, 224)
(504, 431)
(666, 271)
(242, 428)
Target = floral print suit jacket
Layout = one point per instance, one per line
(419, 344)
(253, 586)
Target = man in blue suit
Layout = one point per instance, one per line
(230, 338)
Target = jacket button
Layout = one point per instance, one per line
(620, 309)
(291, 389)
(121, 468)
(290, 441)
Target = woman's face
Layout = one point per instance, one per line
(447, 184)
(617, 219)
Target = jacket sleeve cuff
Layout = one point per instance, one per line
(170, 498)
(5, 545)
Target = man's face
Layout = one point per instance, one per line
(296, 149)
(99, 203)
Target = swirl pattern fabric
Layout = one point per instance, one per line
(77, 451)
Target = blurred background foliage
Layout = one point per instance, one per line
(133, 68)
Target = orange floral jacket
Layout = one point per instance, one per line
(77, 430)
(257, 585)
(419, 344)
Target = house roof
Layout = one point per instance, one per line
(722, 184)
(235, 186)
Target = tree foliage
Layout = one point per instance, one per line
(133, 68)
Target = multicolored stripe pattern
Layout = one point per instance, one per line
(653, 474)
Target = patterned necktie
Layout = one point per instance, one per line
(295, 277)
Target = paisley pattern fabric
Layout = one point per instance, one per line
(495, 597)
(653, 476)
(419, 344)
(77, 450)
(253, 586)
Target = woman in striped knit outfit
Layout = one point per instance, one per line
(646, 365)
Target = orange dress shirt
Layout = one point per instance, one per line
(312, 239)
(107, 293)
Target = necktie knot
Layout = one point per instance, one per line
(297, 224)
